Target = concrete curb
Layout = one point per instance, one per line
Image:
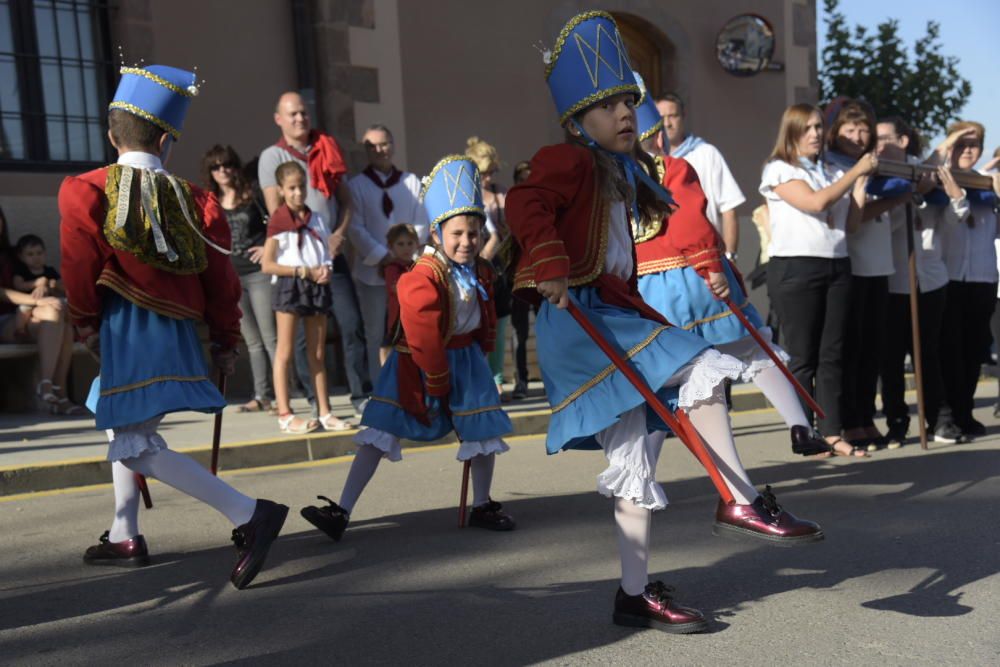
(270, 452)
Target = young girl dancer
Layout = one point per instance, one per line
(437, 380)
(298, 254)
(570, 219)
(676, 257)
(402, 241)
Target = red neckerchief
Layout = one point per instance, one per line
(394, 177)
(283, 220)
(324, 161)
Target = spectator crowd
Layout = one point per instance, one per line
(310, 241)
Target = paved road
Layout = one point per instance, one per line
(908, 574)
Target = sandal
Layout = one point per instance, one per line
(331, 423)
(855, 452)
(256, 405)
(46, 394)
(289, 423)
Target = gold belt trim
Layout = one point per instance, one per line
(146, 383)
(589, 384)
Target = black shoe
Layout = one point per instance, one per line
(253, 540)
(332, 519)
(947, 432)
(898, 429)
(492, 517)
(972, 428)
(520, 390)
(808, 442)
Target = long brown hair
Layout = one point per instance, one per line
(793, 125)
(852, 111)
(219, 154)
(615, 187)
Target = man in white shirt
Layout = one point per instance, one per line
(383, 196)
(721, 189)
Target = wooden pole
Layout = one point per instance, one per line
(918, 362)
(464, 499)
(217, 427)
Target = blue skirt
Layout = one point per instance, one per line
(682, 296)
(151, 365)
(587, 393)
(476, 414)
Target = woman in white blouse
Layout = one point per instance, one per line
(970, 255)
(809, 273)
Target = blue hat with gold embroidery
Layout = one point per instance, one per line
(452, 188)
(156, 93)
(647, 115)
(588, 63)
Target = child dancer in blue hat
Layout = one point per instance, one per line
(571, 219)
(436, 379)
(144, 258)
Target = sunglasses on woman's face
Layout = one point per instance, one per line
(223, 165)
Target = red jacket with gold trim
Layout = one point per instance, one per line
(428, 319)
(686, 238)
(560, 222)
(90, 265)
(559, 219)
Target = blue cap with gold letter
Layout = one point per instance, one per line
(156, 93)
(647, 115)
(588, 63)
(452, 188)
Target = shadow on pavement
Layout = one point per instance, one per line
(410, 588)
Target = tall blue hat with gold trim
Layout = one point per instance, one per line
(588, 63)
(452, 188)
(647, 115)
(157, 93)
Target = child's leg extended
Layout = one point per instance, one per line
(286, 323)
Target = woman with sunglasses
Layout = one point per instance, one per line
(223, 175)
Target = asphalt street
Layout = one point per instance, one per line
(907, 574)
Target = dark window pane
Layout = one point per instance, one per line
(45, 28)
(10, 96)
(78, 141)
(90, 90)
(85, 24)
(73, 85)
(6, 37)
(97, 142)
(57, 140)
(12, 139)
(52, 89)
(69, 46)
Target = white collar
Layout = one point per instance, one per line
(141, 160)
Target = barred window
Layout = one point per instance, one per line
(55, 83)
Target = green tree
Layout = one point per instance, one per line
(927, 89)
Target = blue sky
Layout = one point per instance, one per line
(970, 30)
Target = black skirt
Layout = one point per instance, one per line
(300, 297)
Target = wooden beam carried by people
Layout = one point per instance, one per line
(912, 172)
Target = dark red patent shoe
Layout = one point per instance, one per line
(491, 517)
(128, 553)
(764, 519)
(332, 519)
(655, 608)
(253, 540)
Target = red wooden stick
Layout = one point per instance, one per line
(465, 494)
(813, 405)
(686, 434)
(140, 481)
(217, 430)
